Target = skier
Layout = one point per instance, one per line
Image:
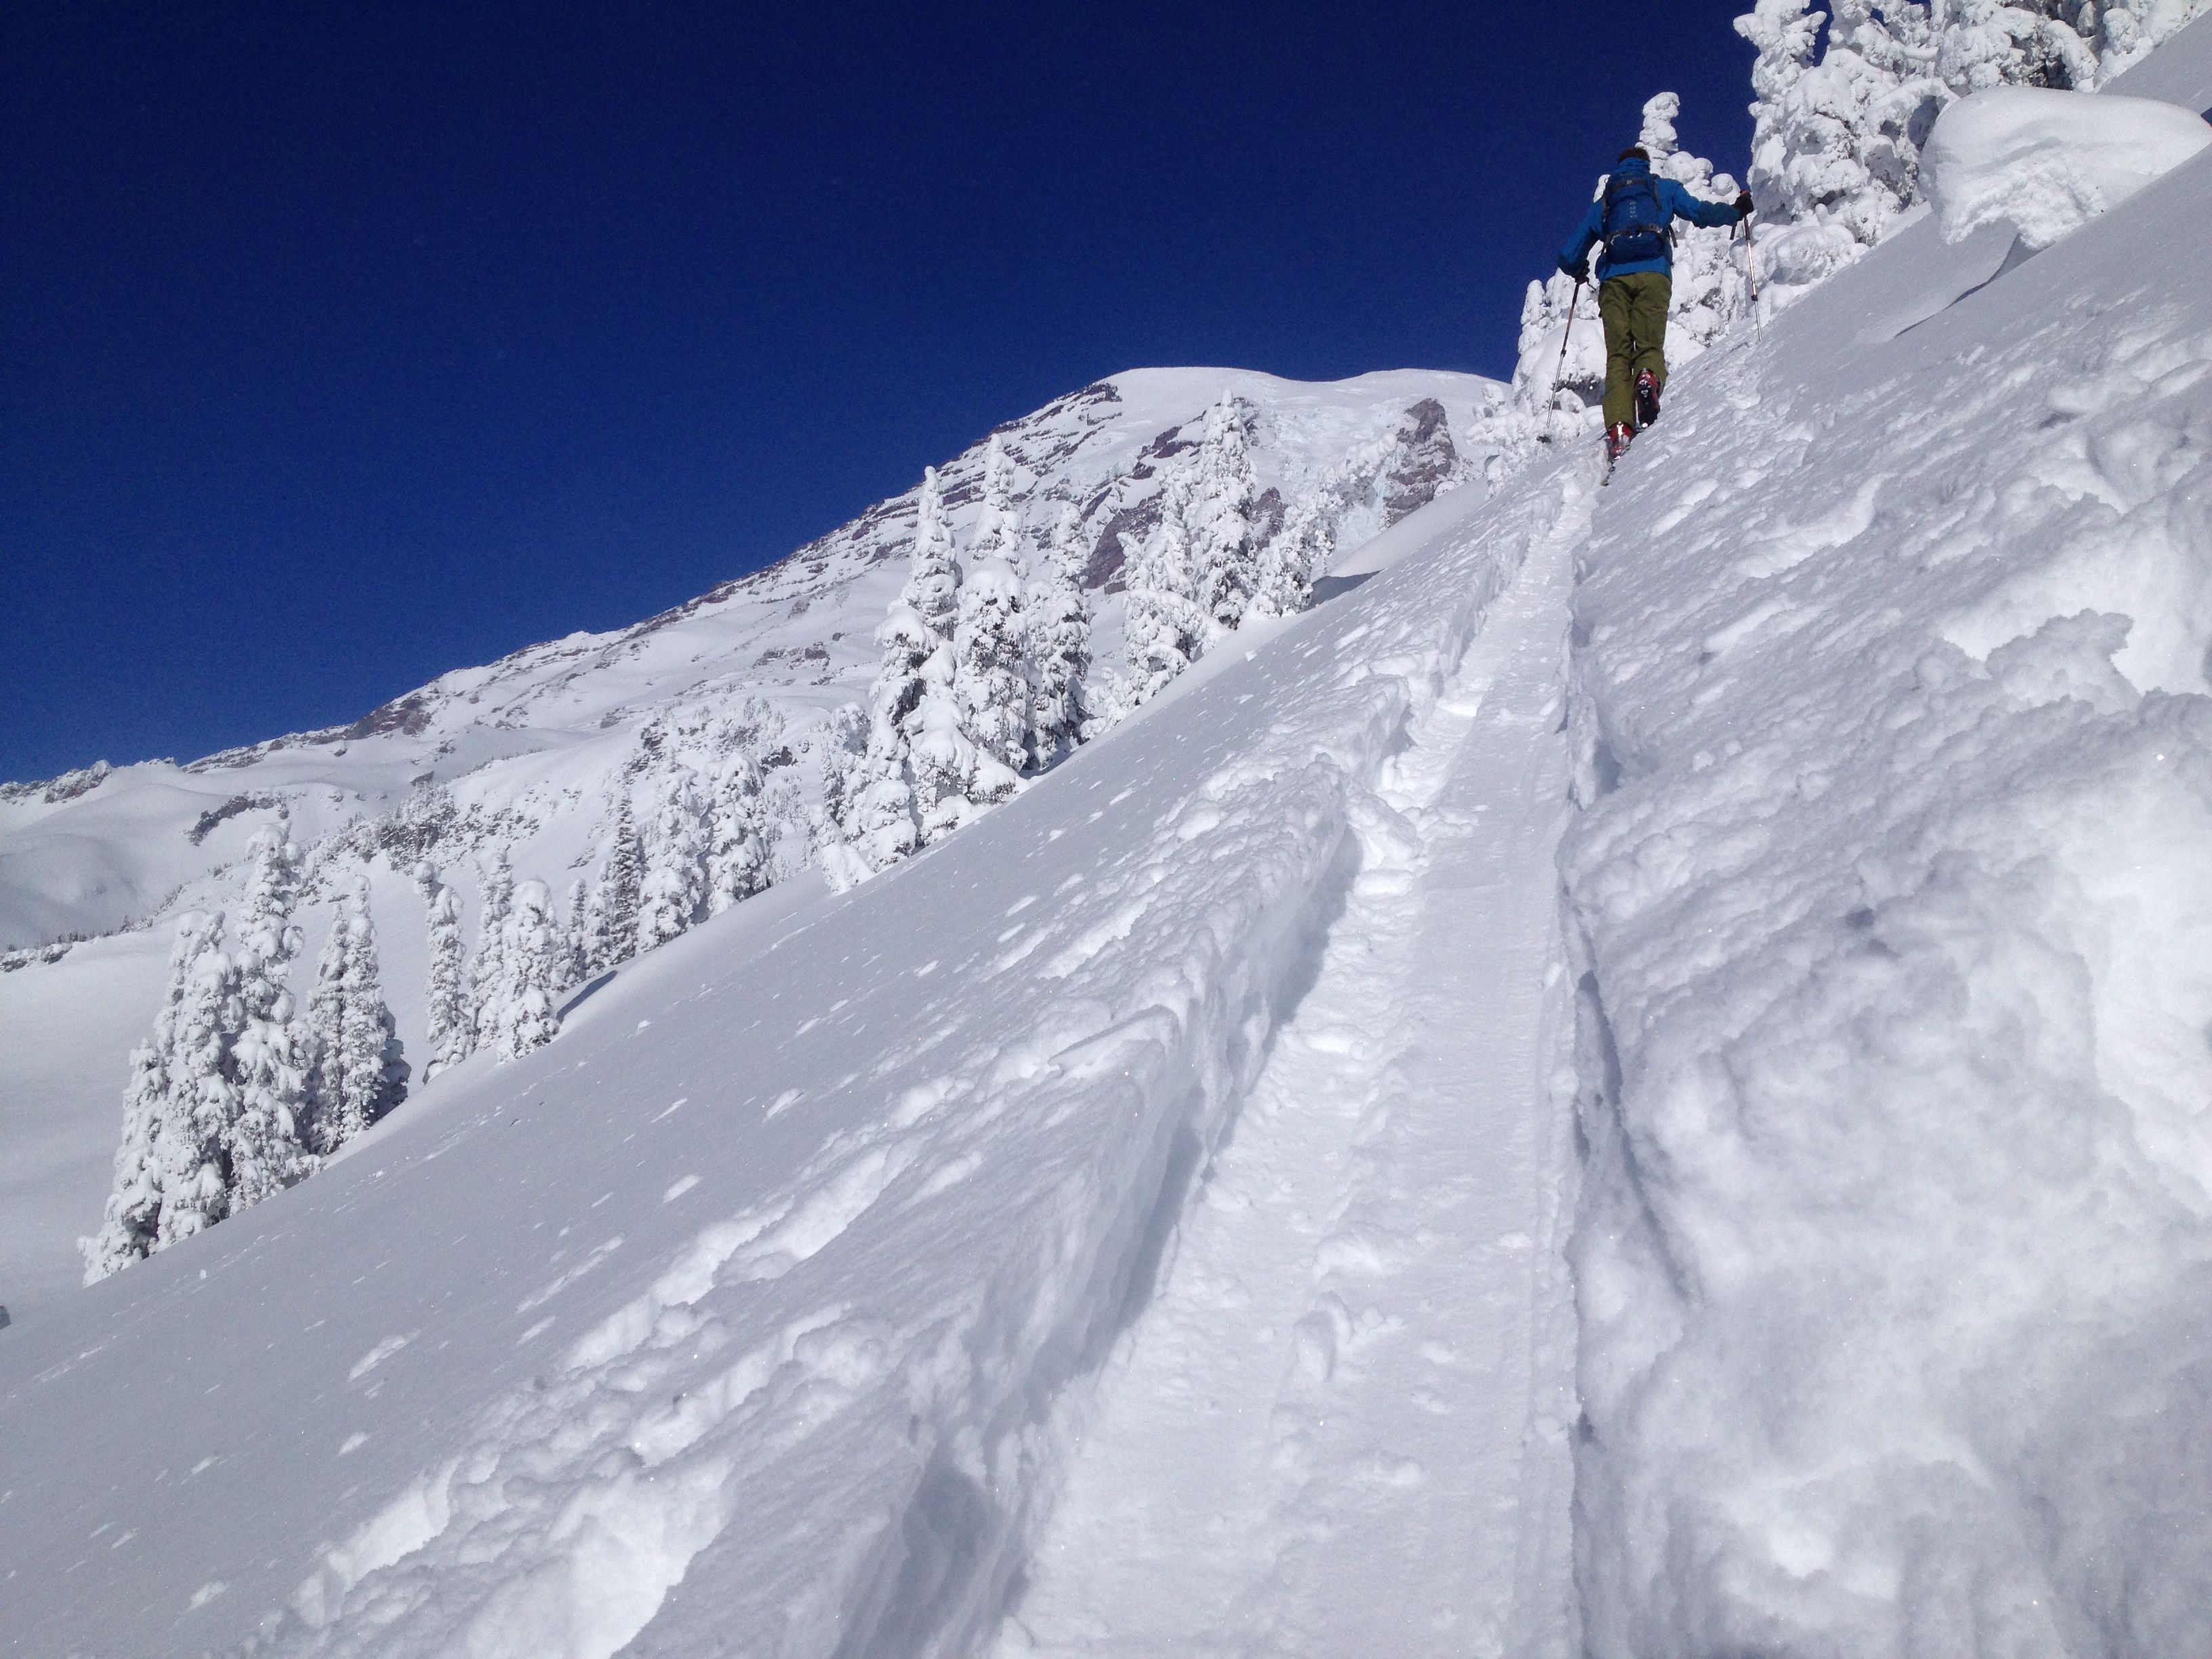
(1632, 218)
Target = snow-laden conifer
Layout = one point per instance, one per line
(941, 759)
(192, 1150)
(524, 1015)
(1224, 548)
(130, 1224)
(358, 1074)
(1164, 629)
(990, 688)
(450, 1034)
(488, 968)
(842, 747)
(1059, 644)
(915, 641)
(266, 1142)
(737, 853)
(1785, 33)
(675, 888)
(615, 900)
(1304, 545)
(575, 954)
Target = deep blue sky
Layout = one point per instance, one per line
(341, 346)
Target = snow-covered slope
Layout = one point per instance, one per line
(1140, 1224)
(527, 750)
(1894, 935)
(756, 1312)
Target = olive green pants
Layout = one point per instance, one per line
(1633, 308)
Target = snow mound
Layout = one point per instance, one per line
(2047, 162)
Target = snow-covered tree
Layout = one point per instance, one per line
(130, 1224)
(1786, 34)
(1164, 629)
(615, 900)
(358, 1074)
(1987, 43)
(575, 962)
(990, 686)
(450, 1036)
(1304, 544)
(1223, 549)
(1059, 644)
(265, 1142)
(523, 1015)
(737, 853)
(912, 691)
(842, 743)
(941, 759)
(675, 886)
(192, 1150)
(488, 968)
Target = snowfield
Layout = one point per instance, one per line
(1633, 1084)
(525, 754)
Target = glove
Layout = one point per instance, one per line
(1743, 204)
(1579, 270)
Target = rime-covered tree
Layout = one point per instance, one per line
(358, 1074)
(675, 887)
(842, 747)
(990, 687)
(1304, 544)
(488, 968)
(915, 640)
(192, 1150)
(615, 900)
(1223, 549)
(130, 1225)
(941, 759)
(450, 1036)
(266, 1140)
(1164, 631)
(1786, 35)
(1987, 43)
(1059, 644)
(574, 963)
(737, 852)
(523, 1009)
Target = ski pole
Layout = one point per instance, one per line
(1560, 380)
(1750, 275)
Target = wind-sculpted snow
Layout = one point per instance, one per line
(756, 1314)
(1895, 930)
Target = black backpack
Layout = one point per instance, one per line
(1636, 225)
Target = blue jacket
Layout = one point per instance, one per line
(1674, 202)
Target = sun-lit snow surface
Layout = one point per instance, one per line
(802, 1299)
(535, 739)
(1893, 903)
(745, 1314)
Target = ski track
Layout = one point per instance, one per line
(1343, 1426)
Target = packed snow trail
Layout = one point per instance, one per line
(1343, 1427)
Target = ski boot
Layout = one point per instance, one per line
(1647, 399)
(1617, 440)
